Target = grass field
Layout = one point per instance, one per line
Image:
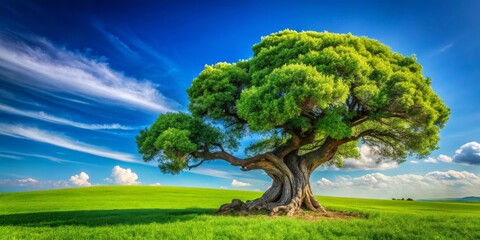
(142, 212)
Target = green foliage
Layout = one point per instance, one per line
(173, 137)
(330, 85)
(143, 212)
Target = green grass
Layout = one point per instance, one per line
(142, 212)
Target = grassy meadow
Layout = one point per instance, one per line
(144, 212)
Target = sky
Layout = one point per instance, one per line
(79, 79)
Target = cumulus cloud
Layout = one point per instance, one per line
(413, 161)
(440, 158)
(444, 158)
(236, 183)
(56, 139)
(123, 176)
(80, 180)
(62, 121)
(156, 184)
(42, 66)
(469, 153)
(450, 183)
(368, 160)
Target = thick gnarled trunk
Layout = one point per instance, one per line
(290, 191)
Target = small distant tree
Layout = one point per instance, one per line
(314, 98)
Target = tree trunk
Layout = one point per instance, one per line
(290, 191)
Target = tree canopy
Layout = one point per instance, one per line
(317, 95)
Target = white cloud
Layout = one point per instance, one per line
(123, 176)
(50, 158)
(413, 161)
(469, 153)
(156, 184)
(236, 183)
(440, 158)
(9, 156)
(58, 70)
(28, 181)
(445, 47)
(430, 160)
(368, 160)
(32, 183)
(38, 135)
(80, 180)
(444, 158)
(62, 121)
(431, 185)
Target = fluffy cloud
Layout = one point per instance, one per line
(236, 183)
(433, 184)
(440, 158)
(468, 154)
(430, 160)
(123, 176)
(156, 184)
(368, 160)
(80, 180)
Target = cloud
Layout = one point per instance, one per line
(413, 161)
(62, 121)
(444, 158)
(368, 160)
(32, 183)
(155, 184)
(440, 158)
(123, 176)
(469, 153)
(27, 181)
(38, 135)
(450, 183)
(236, 183)
(80, 180)
(50, 158)
(44, 66)
(446, 47)
(9, 156)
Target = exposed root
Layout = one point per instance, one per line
(239, 208)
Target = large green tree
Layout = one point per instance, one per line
(314, 97)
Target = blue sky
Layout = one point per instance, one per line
(78, 79)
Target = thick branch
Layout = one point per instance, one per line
(235, 161)
(328, 149)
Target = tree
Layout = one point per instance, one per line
(314, 98)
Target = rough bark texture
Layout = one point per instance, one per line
(290, 191)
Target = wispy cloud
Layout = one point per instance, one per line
(445, 48)
(2, 155)
(42, 65)
(62, 121)
(56, 139)
(50, 158)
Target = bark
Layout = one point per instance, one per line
(289, 193)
